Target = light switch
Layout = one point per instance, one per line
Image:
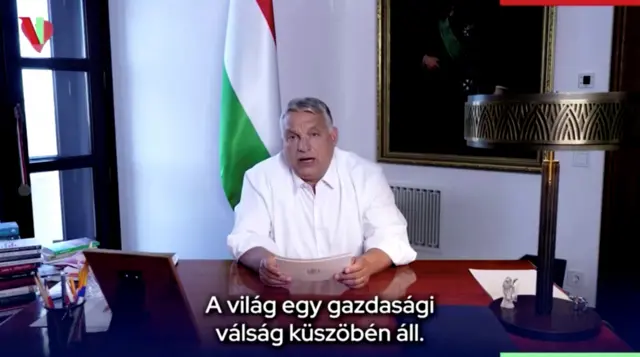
(581, 159)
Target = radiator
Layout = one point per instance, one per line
(421, 208)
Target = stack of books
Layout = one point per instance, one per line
(19, 263)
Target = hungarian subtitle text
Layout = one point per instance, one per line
(307, 312)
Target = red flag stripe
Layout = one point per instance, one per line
(266, 6)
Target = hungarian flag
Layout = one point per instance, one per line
(250, 103)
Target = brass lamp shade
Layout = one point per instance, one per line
(551, 121)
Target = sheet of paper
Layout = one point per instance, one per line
(315, 260)
(97, 316)
(491, 281)
(329, 287)
(313, 269)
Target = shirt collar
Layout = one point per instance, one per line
(330, 178)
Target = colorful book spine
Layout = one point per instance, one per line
(20, 262)
(18, 291)
(2, 238)
(20, 257)
(19, 275)
(17, 300)
(69, 246)
(16, 283)
(18, 268)
(20, 249)
(31, 243)
(18, 253)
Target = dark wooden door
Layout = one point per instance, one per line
(621, 190)
(618, 274)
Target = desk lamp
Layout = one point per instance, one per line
(550, 122)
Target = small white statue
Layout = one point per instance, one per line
(509, 292)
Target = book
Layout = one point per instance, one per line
(9, 230)
(19, 249)
(313, 269)
(17, 300)
(20, 262)
(18, 275)
(9, 238)
(11, 245)
(20, 257)
(18, 268)
(56, 258)
(69, 246)
(16, 283)
(18, 291)
(18, 253)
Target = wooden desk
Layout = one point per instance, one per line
(449, 281)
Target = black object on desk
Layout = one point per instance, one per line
(145, 295)
(559, 267)
(129, 302)
(66, 329)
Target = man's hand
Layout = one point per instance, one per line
(357, 274)
(269, 273)
(430, 62)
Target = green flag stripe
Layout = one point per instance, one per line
(40, 30)
(240, 145)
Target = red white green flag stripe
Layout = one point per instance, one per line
(250, 103)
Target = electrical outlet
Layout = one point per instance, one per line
(575, 278)
(586, 80)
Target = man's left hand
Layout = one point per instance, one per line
(355, 275)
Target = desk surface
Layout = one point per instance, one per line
(449, 281)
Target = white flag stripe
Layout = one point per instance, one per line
(251, 63)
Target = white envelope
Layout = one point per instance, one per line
(313, 269)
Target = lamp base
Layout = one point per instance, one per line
(562, 324)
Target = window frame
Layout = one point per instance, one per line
(102, 159)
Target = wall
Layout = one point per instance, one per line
(166, 99)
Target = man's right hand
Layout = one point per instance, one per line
(269, 273)
(430, 62)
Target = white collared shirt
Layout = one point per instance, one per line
(353, 210)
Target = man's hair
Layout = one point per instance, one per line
(309, 105)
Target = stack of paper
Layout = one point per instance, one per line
(309, 276)
(491, 281)
(313, 269)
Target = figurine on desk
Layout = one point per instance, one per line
(509, 292)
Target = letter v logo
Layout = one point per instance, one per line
(37, 35)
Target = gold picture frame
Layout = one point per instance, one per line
(386, 155)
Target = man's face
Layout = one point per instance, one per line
(308, 144)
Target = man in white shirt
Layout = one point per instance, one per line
(313, 200)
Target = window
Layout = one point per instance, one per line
(58, 158)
